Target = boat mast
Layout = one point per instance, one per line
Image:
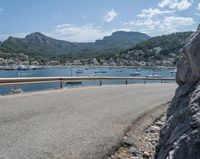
(71, 70)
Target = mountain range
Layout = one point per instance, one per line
(39, 45)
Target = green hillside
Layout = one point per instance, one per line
(39, 45)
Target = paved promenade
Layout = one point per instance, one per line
(78, 123)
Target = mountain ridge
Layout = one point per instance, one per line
(39, 44)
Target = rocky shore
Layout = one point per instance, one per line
(147, 143)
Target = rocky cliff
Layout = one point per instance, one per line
(180, 136)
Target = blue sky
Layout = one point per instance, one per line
(88, 20)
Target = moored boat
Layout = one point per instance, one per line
(136, 73)
(94, 74)
(79, 71)
(154, 76)
(22, 67)
(173, 71)
(74, 83)
(103, 71)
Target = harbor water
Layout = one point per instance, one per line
(79, 71)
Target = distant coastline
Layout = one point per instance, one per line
(32, 67)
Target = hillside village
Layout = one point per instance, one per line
(157, 51)
(125, 61)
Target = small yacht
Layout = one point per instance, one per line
(103, 71)
(33, 67)
(119, 70)
(173, 71)
(96, 71)
(79, 71)
(154, 76)
(16, 91)
(22, 67)
(94, 74)
(136, 73)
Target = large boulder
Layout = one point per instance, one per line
(180, 136)
(188, 69)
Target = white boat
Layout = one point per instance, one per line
(156, 71)
(136, 73)
(154, 76)
(79, 71)
(23, 67)
(16, 91)
(103, 71)
(32, 67)
(94, 74)
(173, 71)
(119, 70)
(139, 69)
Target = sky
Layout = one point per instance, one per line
(89, 20)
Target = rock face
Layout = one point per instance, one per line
(180, 136)
(188, 69)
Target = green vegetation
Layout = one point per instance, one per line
(121, 48)
(156, 48)
(39, 46)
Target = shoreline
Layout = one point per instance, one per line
(10, 68)
(55, 90)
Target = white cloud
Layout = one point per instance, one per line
(110, 16)
(176, 4)
(173, 24)
(163, 20)
(148, 24)
(198, 6)
(145, 26)
(85, 33)
(166, 25)
(150, 13)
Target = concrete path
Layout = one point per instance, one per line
(78, 123)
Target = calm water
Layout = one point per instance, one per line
(67, 72)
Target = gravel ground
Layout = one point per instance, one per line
(147, 143)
